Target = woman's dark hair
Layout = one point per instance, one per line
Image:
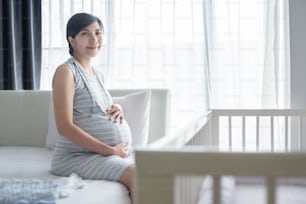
(77, 22)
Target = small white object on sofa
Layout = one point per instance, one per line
(24, 126)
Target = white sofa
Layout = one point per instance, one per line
(26, 154)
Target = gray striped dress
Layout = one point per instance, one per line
(90, 100)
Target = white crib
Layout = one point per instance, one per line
(261, 143)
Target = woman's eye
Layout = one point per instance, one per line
(84, 33)
(99, 33)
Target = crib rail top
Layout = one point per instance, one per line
(194, 161)
(259, 112)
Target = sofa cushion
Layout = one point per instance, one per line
(34, 163)
(97, 192)
(52, 133)
(136, 108)
(25, 162)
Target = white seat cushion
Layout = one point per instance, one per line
(97, 192)
(34, 162)
(25, 162)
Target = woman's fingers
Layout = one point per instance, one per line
(115, 113)
(122, 150)
(116, 116)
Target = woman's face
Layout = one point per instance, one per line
(88, 41)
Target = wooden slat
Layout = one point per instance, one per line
(230, 131)
(243, 134)
(217, 189)
(301, 133)
(271, 190)
(272, 132)
(215, 130)
(257, 133)
(286, 134)
(154, 189)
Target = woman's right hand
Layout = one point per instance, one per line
(121, 150)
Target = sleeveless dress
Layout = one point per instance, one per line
(90, 100)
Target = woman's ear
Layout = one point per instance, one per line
(71, 40)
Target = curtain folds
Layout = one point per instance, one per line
(20, 54)
(249, 54)
(147, 44)
(276, 74)
(208, 27)
(209, 54)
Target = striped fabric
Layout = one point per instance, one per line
(90, 100)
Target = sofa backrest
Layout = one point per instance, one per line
(24, 115)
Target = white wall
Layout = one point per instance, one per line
(297, 10)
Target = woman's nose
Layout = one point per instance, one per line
(93, 38)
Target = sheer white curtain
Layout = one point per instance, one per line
(249, 66)
(55, 14)
(160, 44)
(249, 62)
(234, 53)
(148, 44)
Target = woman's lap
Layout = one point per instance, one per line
(95, 166)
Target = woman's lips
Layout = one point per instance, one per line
(93, 48)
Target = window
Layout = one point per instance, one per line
(148, 44)
(225, 53)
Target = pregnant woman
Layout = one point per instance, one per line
(95, 142)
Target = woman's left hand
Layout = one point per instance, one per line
(115, 112)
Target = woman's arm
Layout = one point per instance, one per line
(63, 94)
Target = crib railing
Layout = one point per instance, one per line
(195, 133)
(272, 130)
(282, 129)
(157, 169)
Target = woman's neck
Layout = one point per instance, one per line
(85, 62)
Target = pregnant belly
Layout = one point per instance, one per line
(106, 131)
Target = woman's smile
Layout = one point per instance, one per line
(92, 47)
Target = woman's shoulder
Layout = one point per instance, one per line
(63, 71)
(66, 67)
(68, 64)
(63, 68)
